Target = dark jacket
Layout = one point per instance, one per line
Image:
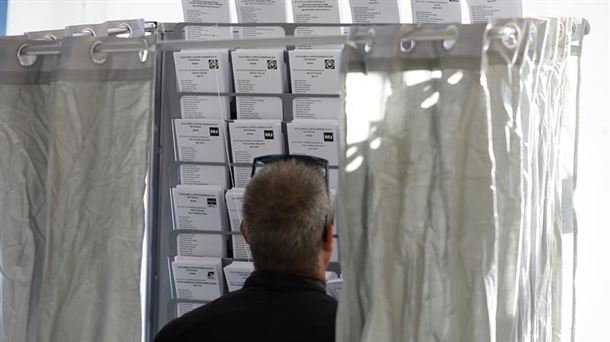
(270, 307)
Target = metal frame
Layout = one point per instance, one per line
(44, 48)
(160, 301)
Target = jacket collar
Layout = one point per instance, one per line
(281, 280)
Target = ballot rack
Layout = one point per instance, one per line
(161, 299)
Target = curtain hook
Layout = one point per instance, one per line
(533, 34)
(128, 28)
(511, 40)
(49, 36)
(448, 44)
(25, 60)
(143, 54)
(562, 30)
(97, 57)
(88, 30)
(368, 43)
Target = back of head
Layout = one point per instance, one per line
(286, 206)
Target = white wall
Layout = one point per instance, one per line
(38, 15)
(593, 192)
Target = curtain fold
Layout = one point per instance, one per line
(450, 190)
(74, 146)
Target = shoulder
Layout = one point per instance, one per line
(320, 303)
(180, 329)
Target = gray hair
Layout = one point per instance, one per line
(286, 207)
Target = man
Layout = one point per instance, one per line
(287, 223)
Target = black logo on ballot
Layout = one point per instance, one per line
(211, 275)
(329, 64)
(214, 132)
(328, 136)
(271, 64)
(268, 134)
(211, 202)
(213, 63)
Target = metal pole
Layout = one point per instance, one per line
(36, 49)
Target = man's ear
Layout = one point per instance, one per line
(244, 231)
(327, 240)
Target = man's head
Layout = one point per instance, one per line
(288, 218)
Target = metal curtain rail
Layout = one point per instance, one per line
(54, 48)
(122, 29)
(45, 48)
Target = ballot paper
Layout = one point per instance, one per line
(316, 11)
(205, 107)
(204, 175)
(201, 245)
(255, 138)
(313, 31)
(203, 71)
(331, 275)
(200, 140)
(266, 108)
(236, 274)
(198, 278)
(206, 11)
(436, 11)
(333, 178)
(200, 207)
(334, 287)
(234, 199)
(483, 10)
(259, 71)
(261, 11)
(318, 138)
(315, 71)
(375, 11)
(185, 307)
(334, 256)
(241, 175)
(207, 32)
(256, 32)
(325, 108)
(241, 250)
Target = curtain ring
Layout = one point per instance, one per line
(143, 54)
(450, 43)
(97, 57)
(25, 60)
(128, 28)
(88, 30)
(48, 36)
(511, 41)
(562, 30)
(533, 33)
(368, 43)
(406, 45)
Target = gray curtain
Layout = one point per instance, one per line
(74, 146)
(456, 184)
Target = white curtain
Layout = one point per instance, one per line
(457, 181)
(74, 145)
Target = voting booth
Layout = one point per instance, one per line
(221, 108)
(218, 105)
(218, 110)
